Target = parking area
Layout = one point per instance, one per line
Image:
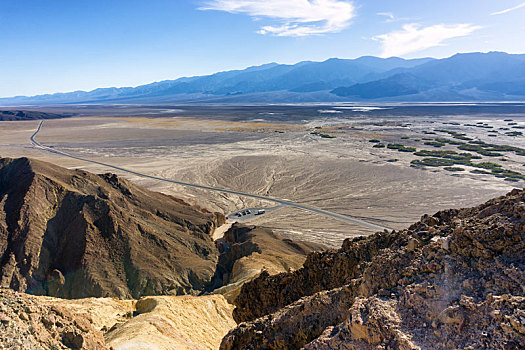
(248, 214)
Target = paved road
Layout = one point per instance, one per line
(209, 188)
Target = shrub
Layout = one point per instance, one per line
(453, 168)
(435, 162)
(434, 144)
(326, 136)
(400, 148)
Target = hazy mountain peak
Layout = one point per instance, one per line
(498, 75)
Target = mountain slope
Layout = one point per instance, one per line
(496, 74)
(397, 85)
(266, 78)
(470, 76)
(454, 280)
(74, 234)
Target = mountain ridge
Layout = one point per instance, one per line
(473, 76)
(73, 234)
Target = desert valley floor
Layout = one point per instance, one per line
(364, 162)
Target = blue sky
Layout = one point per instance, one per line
(66, 45)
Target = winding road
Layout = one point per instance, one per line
(209, 188)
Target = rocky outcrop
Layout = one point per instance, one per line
(321, 271)
(154, 322)
(453, 280)
(27, 322)
(73, 234)
(248, 250)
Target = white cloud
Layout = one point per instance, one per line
(509, 9)
(413, 37)
(389, 15)
(296, 17)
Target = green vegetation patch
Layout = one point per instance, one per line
(400, 148)
(326, 136)
(378, 145)
(374, 141)
(459, 158)
(462, 159)
(434, 144)
(487, 165)
(435, 162)
(478, 171)
(480, 149)
(453, 168)
(456, 135)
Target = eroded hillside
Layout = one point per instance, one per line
(73, 234)
(453, 280)
(155, 322)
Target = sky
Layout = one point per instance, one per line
(49, 46)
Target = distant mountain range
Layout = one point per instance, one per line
(493, 76)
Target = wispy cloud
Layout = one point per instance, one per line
(389, 15)
(508, 10)
(295, 17)
(413, 37)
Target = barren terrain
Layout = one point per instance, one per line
(318, 156)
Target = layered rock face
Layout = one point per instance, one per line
(73, 234)
(453, 280)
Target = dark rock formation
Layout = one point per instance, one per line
(74, 234)
(11, 115)
(453, 280)
(322, 271)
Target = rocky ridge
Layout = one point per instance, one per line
(30, 322)
(453, 280)
(73, 234)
